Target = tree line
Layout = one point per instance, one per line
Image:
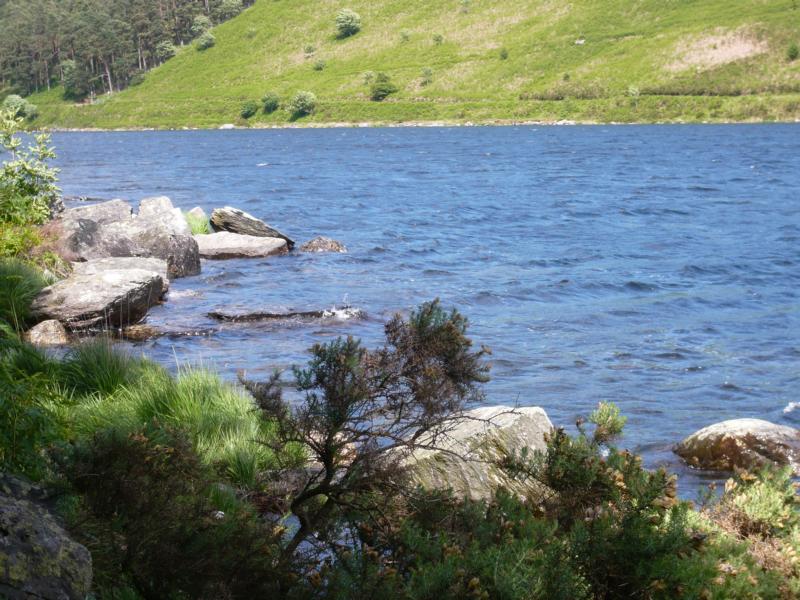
(96, 46)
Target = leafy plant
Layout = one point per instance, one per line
(426, 76)
(227, 9)
(792, 52)
(438, 39)
(405, 36)
(302, 104)
(205, 40)
(271, 102)
(200, 24)
(19, 107)
(249, 109)
(165, 50)
(348, 23)
(382, 87)
(20, 283)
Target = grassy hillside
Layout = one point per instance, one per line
(486, 60)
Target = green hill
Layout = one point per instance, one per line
(476, 60)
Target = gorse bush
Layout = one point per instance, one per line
(249, 109)
(271, 102)
(205, 40)
(382, 87)
(348, 23)
(302, 104)
(20, 283)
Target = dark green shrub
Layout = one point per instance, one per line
(205, 40)
(438, 39)
(98, 367)
(382, 87)
(76, 80)
(503, 53)
(227, 9)
(347, 23)
(405, 36)
(426, 77)
(302, 104)
(136, 79)
(249, 109)
(20, 283)
(320, 65)
(793, 52)
(271, 102)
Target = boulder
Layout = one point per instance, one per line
(742, 443)
(237, 221)
(323, 244)
(232, 245)
(47, 333)
(344, 313)
(122, 263)
(160, 210)
(198, 213)
(37, 557)
(111, 211)
(106, 299)
(464, 460)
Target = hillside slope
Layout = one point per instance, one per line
(485, 60)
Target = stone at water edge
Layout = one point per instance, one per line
(159, 209)
(742, 443)
(111, 211)
(107, 299)
(198, 213)
(237, 221)
(224, 245)
(47, 333)
(38, 559)
(122, 263)
(465, 461)
(323, 244)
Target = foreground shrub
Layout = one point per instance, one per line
(205, 40)
(302, 104)
(348, 23)
(249, 109)
(382, 87)
(271, 102)
(20, 283)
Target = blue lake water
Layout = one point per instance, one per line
(654, 266)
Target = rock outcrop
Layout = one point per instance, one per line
(237, 221)
(224, 245)
(465, 459)
(102, 300)
(345, 312)
(37, 557)
(323, 244)
(742, 443)
(47, 333)
(123, 263)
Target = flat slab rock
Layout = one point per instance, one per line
(122, 263)
(464, 458)
(234, 220)
(225, 245)
(98, 301)
(742, 443)
(345, 312)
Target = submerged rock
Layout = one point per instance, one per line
(47, 333)
(37, 557)
(103, 300)
(121, 263)
(742, 443)
(323, 244)
(237, 221)
(224, 245)
(465, 459)
(345, 312)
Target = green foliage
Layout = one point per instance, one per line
(165, 50)
(75, 80)
(438, 39)
(503, 53)
(382, 87)
(198, 225)
(405, 36)
(249, 109)
(227, 9)
(17, 240)
(348, 23)
(426, 76)
(20, 283)
(205, 41)
(99, 367)
(136, 79)
(309, 50)
(302, 104)
(271, 102)
(27, 183)
(368, 77)
(608, 422)
(320, 65)
(18, 107)
(792, 52)
(200, 24)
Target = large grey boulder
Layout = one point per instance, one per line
(123, 263)
(237, 221)
(110, 229)
(102, 300)
(232, 245)
(465, 459)
(323, 244)
(742, 443)
(47, 333)
(37, 558)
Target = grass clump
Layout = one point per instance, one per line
(20, 283)
(98, 367)
(199, 225)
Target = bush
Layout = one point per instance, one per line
(17, 240)
(426, 76)
(347, 23)
(205, 41)
(20, 283)
(302, 104)
(793, 52)
(19, 107)
(249, 109)
(309, 50)
(503, 54)
(368, 77)
(165, 50)
(136, 79)
(200, 24)
(438, 39)
(227, 9)
(320, 65)
(405, 36)
(271, 102)
(382, 87)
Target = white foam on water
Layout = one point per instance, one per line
(790, 407)
(344, 313)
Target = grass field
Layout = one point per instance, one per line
(475, 60)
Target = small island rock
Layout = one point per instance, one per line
(323, 244)
(47, 333)
(237, 221)
(224, 245)
(742, 443)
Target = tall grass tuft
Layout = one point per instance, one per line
(97, 367)
(198, 225)
(19, 285)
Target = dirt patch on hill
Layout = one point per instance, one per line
(715, 50)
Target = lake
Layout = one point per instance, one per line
(654, 266)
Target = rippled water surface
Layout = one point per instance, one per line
(655, 266)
